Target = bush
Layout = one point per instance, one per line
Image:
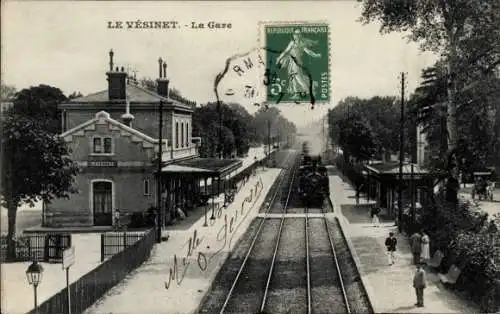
(464, 235)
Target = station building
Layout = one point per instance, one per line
(113, 137)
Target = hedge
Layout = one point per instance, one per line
(464, 234)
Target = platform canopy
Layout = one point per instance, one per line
(391, 170)
(210, 167)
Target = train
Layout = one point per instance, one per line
(313, 179)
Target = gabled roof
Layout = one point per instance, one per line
(135, 94)
(102, 117)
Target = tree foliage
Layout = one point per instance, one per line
(173, 93)
(7, 92)
(477, 135)
(35, 166)
(240, 129)
(465, 33)
(379, 115)
(357, 138)
(41, 102)
(269, 122)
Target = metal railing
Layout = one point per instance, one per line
(93, 285)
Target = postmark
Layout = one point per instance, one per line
(292, 65)
(298, 59)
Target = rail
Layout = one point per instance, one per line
(275, 253)
(337, 266)
(254, 240)
(308, 268)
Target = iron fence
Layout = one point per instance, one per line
(46, 247)
(115, 242)
(88, 289)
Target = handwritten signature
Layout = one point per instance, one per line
(178, 270)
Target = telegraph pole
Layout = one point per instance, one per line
(268, 139)
(221, 150)
(158, 181)
(401, 154)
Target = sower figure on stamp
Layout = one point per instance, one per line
(291, 59)
(419, 283)
(390, 243)
(416, 246)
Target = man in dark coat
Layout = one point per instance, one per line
(419, 283)
(416, 246)
(390, 243)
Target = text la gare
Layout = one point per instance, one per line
(211, 25)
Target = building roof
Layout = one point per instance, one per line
(135, 94)
(102, 117)
(208, 166)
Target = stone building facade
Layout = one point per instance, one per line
(113, 137)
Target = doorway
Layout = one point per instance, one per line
(102, 201)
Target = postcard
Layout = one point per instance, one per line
(244, 156)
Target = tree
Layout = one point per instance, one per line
(74, 95)
(477, 136)
(380, 114)
(466, 33)
(357, 138)
(35, 166)
(173, 93)
(7, 91)
(41, 102)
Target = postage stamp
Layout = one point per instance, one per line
(297, 61)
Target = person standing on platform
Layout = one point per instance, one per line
(390, 243)
(374, 213)
(426, 254)
(116, 217)
(357, 194)
(419, 283)
(416, 247)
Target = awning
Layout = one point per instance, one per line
(205, 166)
(179, 168)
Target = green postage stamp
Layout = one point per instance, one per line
(297, 61)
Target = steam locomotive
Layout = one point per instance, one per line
(313, 179)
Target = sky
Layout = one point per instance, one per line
(66, 45)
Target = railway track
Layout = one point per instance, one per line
(296, 262)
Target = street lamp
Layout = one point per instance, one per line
(34, 275)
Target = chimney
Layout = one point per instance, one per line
(127, 117)
(162, 80)
(117, 81)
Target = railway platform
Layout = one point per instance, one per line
(182, 269)
(389, 287)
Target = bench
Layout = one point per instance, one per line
(436, 260)
(451, 276)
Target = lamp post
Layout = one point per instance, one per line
(34, 276)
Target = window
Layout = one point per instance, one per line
(107, 145)
(102, 145)
(97, 145)
(182, 134)
(176, 134)
(187, 134)
(147, 190)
